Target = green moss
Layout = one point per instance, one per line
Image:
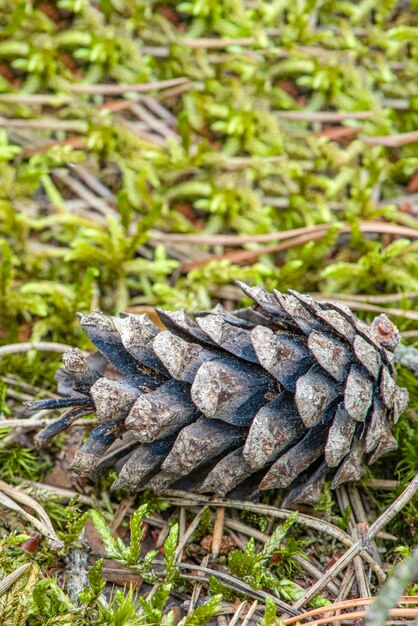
(228, 161)
(192, 178)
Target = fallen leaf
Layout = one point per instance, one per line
(227, 544)
(31, 545)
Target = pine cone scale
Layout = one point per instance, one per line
(276, 395)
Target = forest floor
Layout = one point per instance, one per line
(152, 153)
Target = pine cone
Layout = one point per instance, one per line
(270, 396)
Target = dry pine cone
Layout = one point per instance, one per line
(270, 396)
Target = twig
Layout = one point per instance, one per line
(246, 256)
(372, 308)
(361, 518)
(404, 573)
(409, 334)
(358, 615)
(346, 584)
(184, 498)
(159, 110)
(325, 116)
(218, 531)
(257, 534)
(112, 90)
(181, 498)
(162, 535)
(369, 299)
(237, 614)
(240, 162)
(36, 98)
(30, 423)
(43, 346)
(344, 503)
(407, 356)
(392, 141)
(83, 192)
(175, 91)
(120, 513)
(77, 570)
(189, 532)
(366, 226)
(382, 484)
(17, 382)
(237, 585)
(74, 142)
(361, 545)
(344, 605)
(70, 126)
(399, 200)
(250, 613)
(339, 133)
(18, 395)
(182, 524)
(94, 184)
(198, 587)
(153, 123)
(214, 43)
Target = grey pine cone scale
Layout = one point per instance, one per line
(278, 395)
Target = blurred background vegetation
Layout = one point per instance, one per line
(280, 115)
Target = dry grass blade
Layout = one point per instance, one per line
(8, 496)
(64, 495)
(23, 498)
(9, 580)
